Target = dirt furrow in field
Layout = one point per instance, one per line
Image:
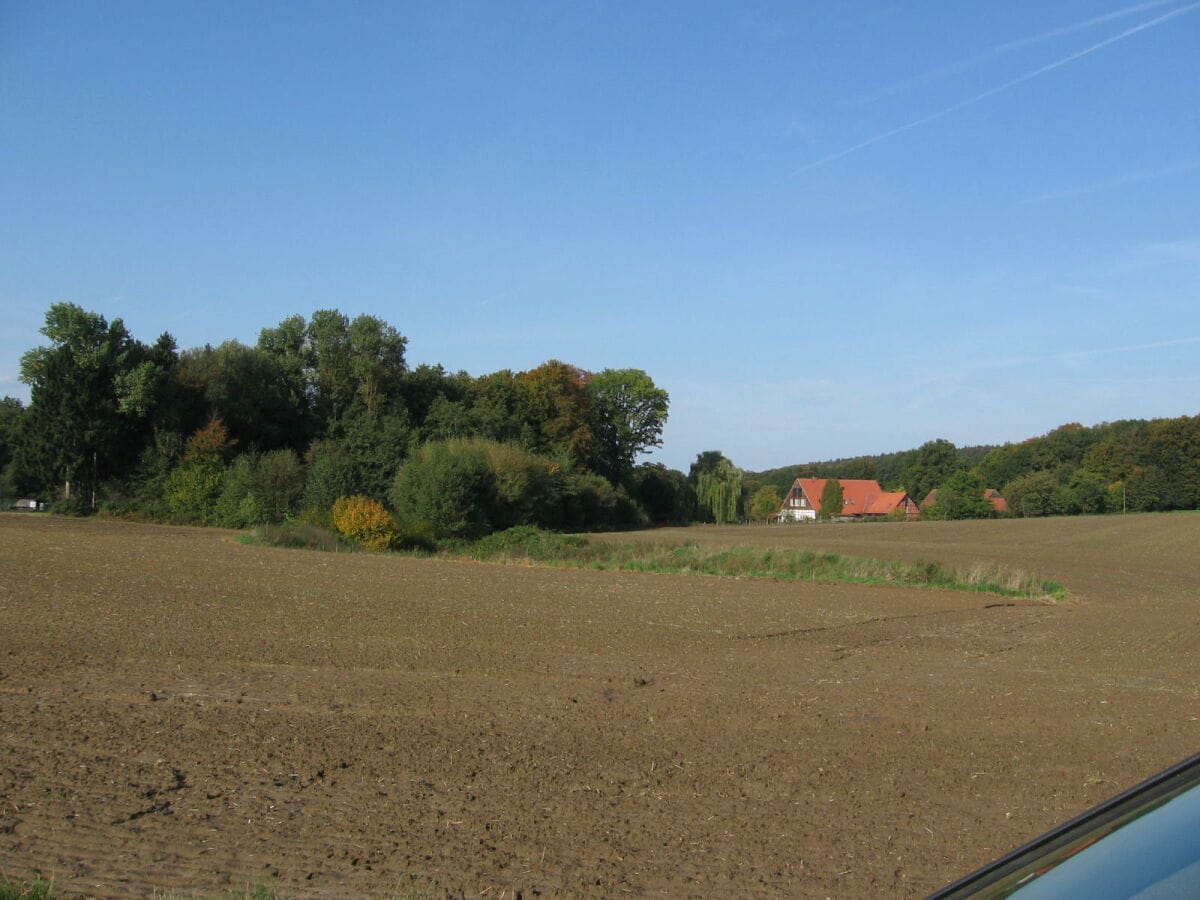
(180, 712)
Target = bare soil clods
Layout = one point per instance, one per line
(182, 713)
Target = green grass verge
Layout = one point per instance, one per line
(528, 544)
(525, 544)
(38, 889)
(299, 536)
(257, 892)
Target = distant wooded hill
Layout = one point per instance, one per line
(886, 468)
(1134, 464)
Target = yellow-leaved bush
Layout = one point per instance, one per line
(364, 521)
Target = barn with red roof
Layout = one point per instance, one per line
(991, 495)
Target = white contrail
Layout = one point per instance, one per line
(991, 92)
(1099, 351)
(1008, 46)
(1114, 183)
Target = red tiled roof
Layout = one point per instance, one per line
(886, 502)
(999, 504)
(860, 496)
(991, 495)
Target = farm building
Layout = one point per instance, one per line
(861, 499)
(999, 504)
(991, 495)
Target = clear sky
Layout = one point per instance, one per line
(826, 229)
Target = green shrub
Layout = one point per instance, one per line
(961, 496)
(590, 501)
(331, 474)
(526, 488)
(665, 494)
(230, 509)
(136, 509)
(155, 464)
(75, 505)
(528, 542)
(1035, 494)
(257, 489)
(446, 488)
(314, 515)
(414, 539)
(278, 484)
(192, 489)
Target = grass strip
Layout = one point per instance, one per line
(299, 536)
(527, 544)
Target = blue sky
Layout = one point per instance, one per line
(826, 229)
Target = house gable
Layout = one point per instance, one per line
(799, 501)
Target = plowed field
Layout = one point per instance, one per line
(183, 714)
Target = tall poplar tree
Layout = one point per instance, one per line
(91, 399)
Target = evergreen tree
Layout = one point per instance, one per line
(11, 411)
(665, 494)
(92, 399)
(832, 499)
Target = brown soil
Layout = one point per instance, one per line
(182, 713)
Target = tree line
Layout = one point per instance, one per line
(323, 408)
(327, 408)
(1130, 465)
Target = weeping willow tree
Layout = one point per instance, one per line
(719, 491)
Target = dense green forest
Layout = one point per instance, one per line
(887, 468)
(323, 421)
(322, 409)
